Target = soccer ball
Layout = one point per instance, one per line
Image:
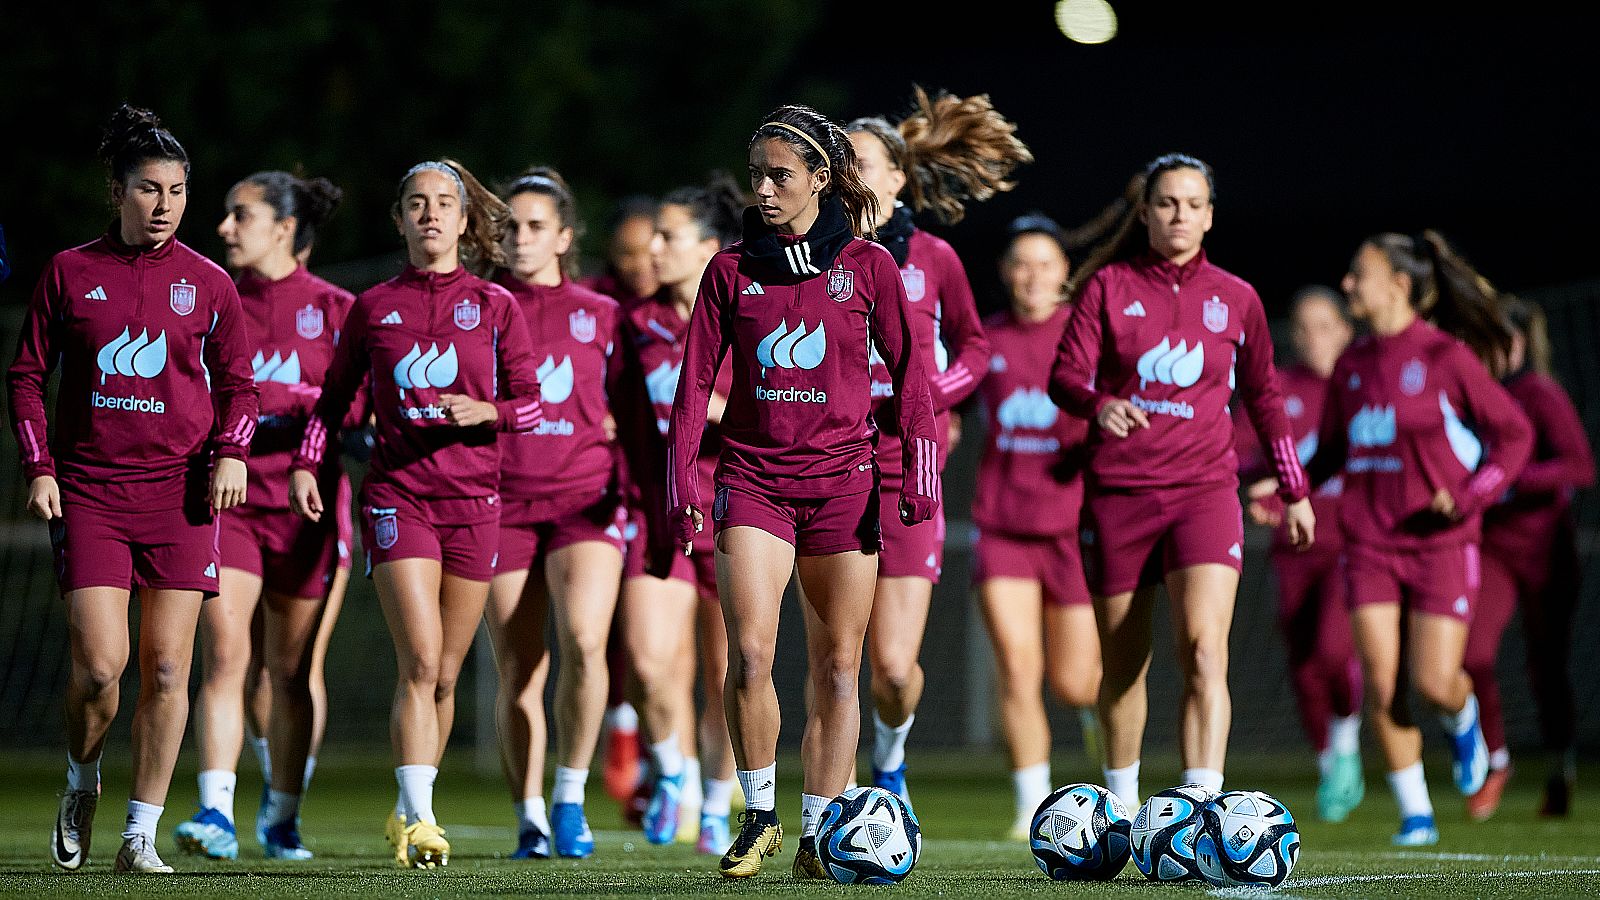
(868, 836)
(1164, 832)
(1080, 833)
(1247, 839)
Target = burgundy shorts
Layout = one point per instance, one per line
(814, 526)
(1441, 581)
(1054, 562)
(129, 546)
(698, 568)
(291, 556)
(909, 551)
(460, 532)
(524, 542)
(1131, 539)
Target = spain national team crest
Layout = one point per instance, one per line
(1413, 378)
(468, 315)
(1215, 317)
(841, 284)
(308, 322)
(183, 298)
(385, 531)
(581, 323)
(916, 282)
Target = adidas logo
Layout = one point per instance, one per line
(753, 289)
(211, 570)
(1136, 309)
(1236, 552)
(392, 318)
(99, 293)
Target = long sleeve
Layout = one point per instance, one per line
(346, 375)
(1072, 377)
(1258, 384)
(920, 492)
(1505, 432)
(38, 352)
(962, 332)
(1556, 421)
(518, 404)
(704, 346)
(1332, 439)
(227, 358)
(643, 449)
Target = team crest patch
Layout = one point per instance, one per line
(183, 298)
(468, 315)
(308, 322)
(916, 282)
(581, 323)
(719, 506)
(385, 531)
(1215, 317)
(841, 284)
(1413, 378)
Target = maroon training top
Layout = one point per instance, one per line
(1303, 394)
(1531, 516)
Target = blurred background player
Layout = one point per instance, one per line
(153, 421)
(1312, 611)
(1030, 488)
(629, 275)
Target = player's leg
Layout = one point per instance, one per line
(1549, 607)
(516, 613)
(1496, 602)
(97, 631)
(290, 637)
(894, 636)
(1013, 614)
(167, 622)
(716, 751)
(658, 615)
(1378, 638)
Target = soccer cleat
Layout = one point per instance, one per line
(1416, 831)
(1557, 797)
(394, 831)
(262, 824)
(713, 833)
(138, 857)
(688, 823)
(69, 847)
(283, 842)
(573, 839)
(1481, 806)
(208, 834)
(893, 781)
(661, 817)
(1340, 791)
(1469, 762)
(532, 843)
(427, 845)
(807, 867)
(760, 836)
(633, 809)
(622, 763)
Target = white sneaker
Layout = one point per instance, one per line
(138, 856)
(74, 826)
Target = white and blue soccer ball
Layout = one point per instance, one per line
(868, 835)
(1246, 839)
(1164, 832)
(1080, 833)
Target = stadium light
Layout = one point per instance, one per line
(1086, 21)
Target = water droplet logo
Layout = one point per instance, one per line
(130, 356)
(1179, 366)
(432, 369)
(1027, 407)
(277, 369)
(1372, 426)
(662, 383)
(555, 381)
(785, 349)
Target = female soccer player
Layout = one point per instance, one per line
(154, 417)
(1029, 572)
(447, 359)
(948, 152)
(1157, 340)
(797, 301)
(1312, 614)
(629, 275)
(1530, 558)
(664, 617)
(1426, 439)
(561, 521)
(295, 318)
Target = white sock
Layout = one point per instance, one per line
(258, 745)
(305, 780)
(889, 743)
(811, 807)
(1124, 782)
(82, 776)
(1459, 723)
(400, 808)
(1325, 760)
(623, 717)
(569, 785)
(216, 790)
(760, 787)
(693, 793)
(416, 792)
(531, 814)
(1500, 759)
(281, 807)
(142, 819)
(1411, 791)
(719, 797)
(1344, 734)
(1210, 779)
(1032, 785)
(668, 756)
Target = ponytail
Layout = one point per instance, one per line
(133, 136)
(1528, 319)
(822, 144)
(310, 201)
(716, 209)
(547, 182)
(1448, 292)
(479, 249)
(957, 150)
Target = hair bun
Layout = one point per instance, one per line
(127, 125)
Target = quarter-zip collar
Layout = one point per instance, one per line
(252, 283)
(1171, 272)
(798, 256)
(130, 253)
(430, 284)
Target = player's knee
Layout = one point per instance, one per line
(835, 678)
(167, 674)
(1205, 666)
(893, 673)
(1435, 688)
(97, 678)
(1078, 687)
(420, 674)
(754, 666)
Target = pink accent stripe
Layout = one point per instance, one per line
(1487, 481)
(672, 477)
(241, 432)
(957, 377)
(525, 410)
(33, 442)
(1294, 477)
(316, 436)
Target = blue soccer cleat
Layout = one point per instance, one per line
(532, 843)
(1416, 831)
(209, 834)
(1470, 755)
(573, 839)
(262, 823)
(714, 834)
(661, 816)
(893, 781)
(283, 842)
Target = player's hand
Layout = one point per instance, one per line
(686, 522)
(1302, 524)
(916, 508)
(1262, 510)
(954, 433)
(459, 409)
(1120, 417)
(305, 498)
(609, 426)
(44, 497)
(1445, 505)
(228, 482)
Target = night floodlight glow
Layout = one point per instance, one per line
(1087, 21)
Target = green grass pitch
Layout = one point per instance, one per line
(963, 801)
